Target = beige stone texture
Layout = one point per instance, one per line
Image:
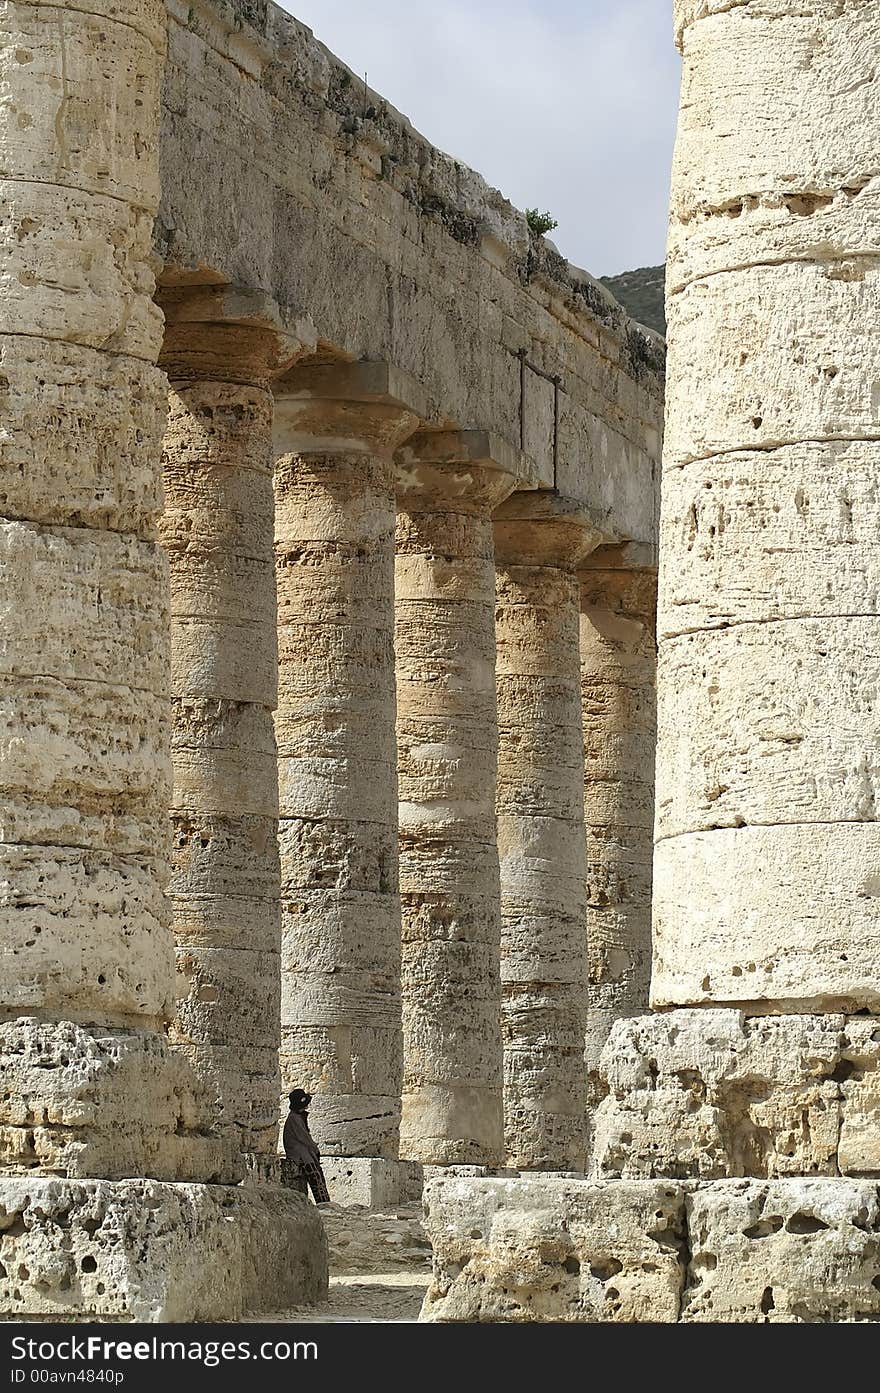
(221, 348)
(447, 750)
(334, 556)
(547, 1249)
(793, 359)
(139, 1250)
(767, 844)
(81, 436)
(711, 1094)
(540, 825)
(747, 187)
(66, 1086)
(781, 730)
(800, 1251)
(763, 503)
(796, 1251)
(618, 705)
(277, 173)
(803, 939)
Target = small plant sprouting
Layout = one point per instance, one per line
(539, 223)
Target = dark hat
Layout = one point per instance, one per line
(299, 1098)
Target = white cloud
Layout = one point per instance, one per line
(567, 105)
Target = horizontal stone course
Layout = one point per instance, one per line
(140, 1250)
(714, 1094)
(740, 1251)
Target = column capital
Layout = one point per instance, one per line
(230, 333)
(544, 528)
(364, 406)
(473, 468)
(621, 556)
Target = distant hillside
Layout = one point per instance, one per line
(641, 294)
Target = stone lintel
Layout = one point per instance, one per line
(361, 406)
(738, 1251)
(621, 556)
(448, 467)
(229, 332)
(144, 1250)
(545, 528)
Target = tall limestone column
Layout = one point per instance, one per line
(539, 540)
(447, 740)
(768, 843)
(87, 968)
(222, 349)
(98, 1113)
(336, 426)
(618, 601)
(767, 863)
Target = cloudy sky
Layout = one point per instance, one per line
(565, 105)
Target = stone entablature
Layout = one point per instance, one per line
(280, 173)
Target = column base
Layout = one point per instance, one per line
(372, 1181)
(146, 1250)
(709, 1093)
(737, 1251)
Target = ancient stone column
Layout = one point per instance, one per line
(767, 862)
(87, 969)
(336, 426)
(447, 742)
(539, 539)
(768, 845)
(222, 348)
(618, 597)
(98, 1112)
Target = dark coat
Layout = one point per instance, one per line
(299, 1144)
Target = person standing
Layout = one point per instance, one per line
(300, 1145)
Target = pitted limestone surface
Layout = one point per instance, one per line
(713, 1093)
(66, 1087)
(340, 956)
(82, 431)
(739, 1251)
(796, 1251)
(138, 1250)
(618, 698)
(545, 1249)
(541, 844)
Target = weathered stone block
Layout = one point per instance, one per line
(786, 731)
(65, 1088)
(81, 436)
(793, 1251)
(84, 930)
(371, 1182)
(96, 595)
(545, 1249)
(102, 149)
(806, 327)
(82, 763)
(224, 757)
(139, 1250)
(715, 1094)
(75, 267)
(803, 938)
